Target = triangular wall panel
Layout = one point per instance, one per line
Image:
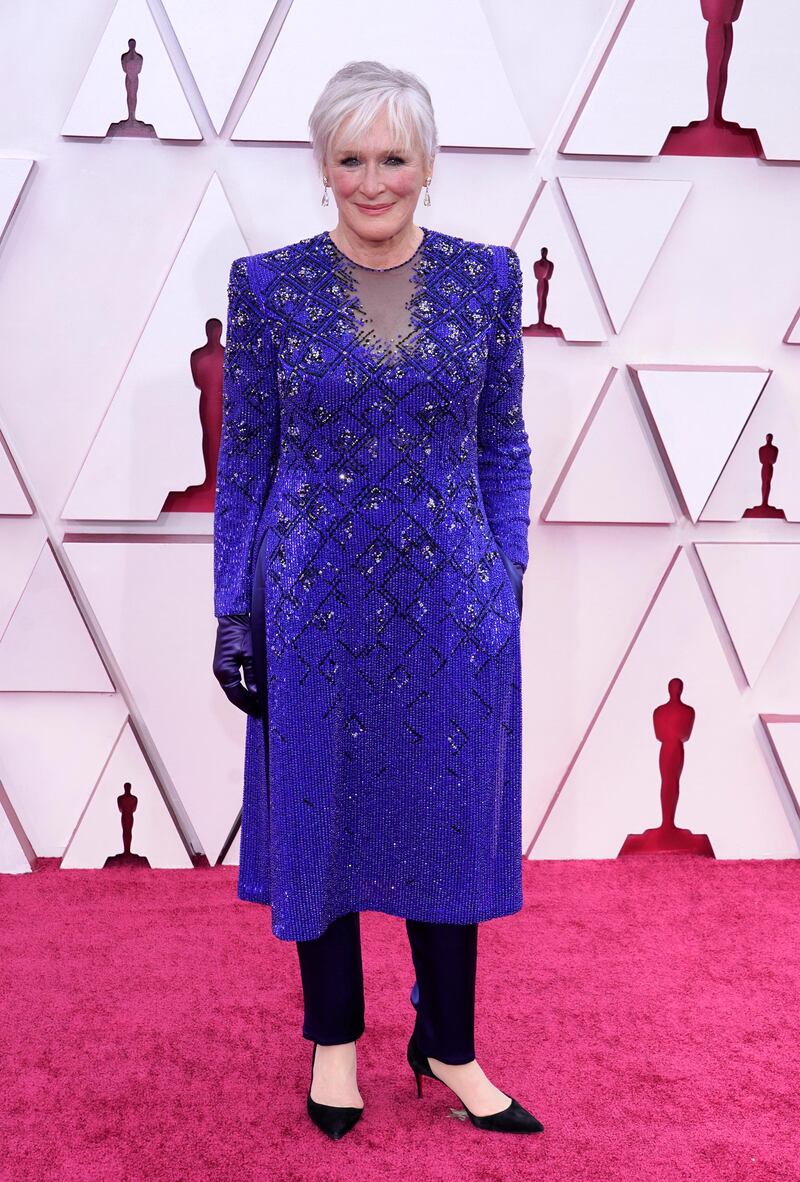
(150, 440)
(14, 858)
(14, 500)
(52, 747)
(101, 98)
(783, 733)
(13, 175)
(698, 413)
(756, 585)
(739, 485)
(198, 734)
(726, 787)
(623, 223)
(46, 645)
(449, 43)
(572, 306)
(653, 77)
(613, 473)
(98, 834)
(218, 41)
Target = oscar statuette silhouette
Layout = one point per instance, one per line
(673, 722)
(206, 365)
(126, 803)
(542, 272)
(768, 455)
(131, 62)
(713, 135)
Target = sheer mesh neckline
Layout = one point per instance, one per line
(363, 266)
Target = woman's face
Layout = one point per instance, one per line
(374, 175)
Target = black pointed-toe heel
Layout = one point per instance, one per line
(333, 1119)
(513, 1119)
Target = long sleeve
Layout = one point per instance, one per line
(248, 451)
(504, 465)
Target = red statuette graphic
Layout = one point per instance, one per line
(713, 135)
(126, 803)
(542, 272)
(673, 722)
(768, 455)
(206, 365)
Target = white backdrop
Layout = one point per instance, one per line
(673, 300)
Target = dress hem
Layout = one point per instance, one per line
(482, 915)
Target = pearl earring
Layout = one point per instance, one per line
(427, 199)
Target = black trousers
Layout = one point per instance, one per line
(444, 954)
(445, 959)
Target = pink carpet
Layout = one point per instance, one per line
(645, 1009)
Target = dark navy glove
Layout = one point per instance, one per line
(234, 651)
(515, 573)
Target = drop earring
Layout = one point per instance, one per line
(427, 199)
(325, 191)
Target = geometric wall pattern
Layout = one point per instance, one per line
(776, 413)
(756, 586)
(218, 42)
(456, 50)
(623, 224)
(46, 645)
(131, 76)
(163, 656)
(697, 415)
(654, 77)
(14, 174)
(651, 78)
(725, 773)
(89, 845)
(597, 482)
(150, 439)
(662, 400)
(13, 501)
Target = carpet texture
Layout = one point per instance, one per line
(645, 1009)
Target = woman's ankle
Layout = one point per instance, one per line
(440, 1063)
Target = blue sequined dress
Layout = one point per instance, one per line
(380, 486)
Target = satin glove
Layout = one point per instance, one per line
(234, 651)
(515, 573)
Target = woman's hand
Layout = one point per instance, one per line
(234, 651)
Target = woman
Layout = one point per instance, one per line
(370, 536)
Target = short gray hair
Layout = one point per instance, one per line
(360, 90)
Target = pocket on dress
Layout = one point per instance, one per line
(515, 578)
